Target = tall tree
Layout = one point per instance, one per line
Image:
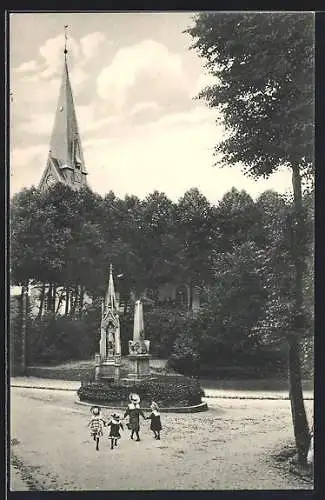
(238, 220)
(264, 69)
(159, 244)
(196, 231)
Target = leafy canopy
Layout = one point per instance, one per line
(264, 69)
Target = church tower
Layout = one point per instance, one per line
(65, 162)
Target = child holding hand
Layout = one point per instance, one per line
(154, 416)
(115, 426)
(96, 424)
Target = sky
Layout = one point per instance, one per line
(134, 80)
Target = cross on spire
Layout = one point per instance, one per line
(66, 26)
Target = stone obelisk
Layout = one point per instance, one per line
(138, 347)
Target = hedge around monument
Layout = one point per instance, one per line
(166, 391)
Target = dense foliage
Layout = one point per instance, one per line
(167, 391)
(245, 282)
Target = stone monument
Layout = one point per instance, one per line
(108, 361)
(139, 356)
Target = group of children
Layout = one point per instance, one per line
(133, 411)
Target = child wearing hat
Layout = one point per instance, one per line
(96, 424)
(115, 426)
(154, 416)
(134, 411)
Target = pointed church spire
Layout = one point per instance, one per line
(66, 161)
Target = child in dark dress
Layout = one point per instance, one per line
(154, 416)
(134, 411)
(115, 426)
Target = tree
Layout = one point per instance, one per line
(238, 220)
(264, 69)
(196, 231)
(233, 305)
(157, 244)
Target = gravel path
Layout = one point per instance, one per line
(17, 482)
(227, 447)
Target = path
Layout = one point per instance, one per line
(212, 388)
(227, 447)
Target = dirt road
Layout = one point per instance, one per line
(227, 447)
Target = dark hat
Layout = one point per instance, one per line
(95, 410)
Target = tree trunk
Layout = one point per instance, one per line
(67, 301)
(24, 292)
(299, 418)
(81, 298)
(53, 299)
(42, 300)
(74, 302)
(59, 302)
(49, 298)
(71, 301)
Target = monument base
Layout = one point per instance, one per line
(139, 368)
(106, 370)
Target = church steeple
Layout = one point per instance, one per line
(66, 161)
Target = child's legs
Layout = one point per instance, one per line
(137, 434)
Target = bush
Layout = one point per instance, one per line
(161, 326)
(53, 340)
(165, 390)
(185, 356)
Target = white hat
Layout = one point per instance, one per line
(134, 398)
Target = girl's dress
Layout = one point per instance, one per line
(96, 425)
(155, 424)
(115, 427)
(134, 411)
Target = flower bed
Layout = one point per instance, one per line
(167, 391)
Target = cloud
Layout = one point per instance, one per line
(52, 51)
(199, 114)
(27, 166)
(148, 66)
(77, 77)
(145, 111)
(27, 66)
(171, 155)
(39, 124)
(131, 164)
(144, 106)
(22, 156)
(31, 91)
(91, 43)
(204, 80)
